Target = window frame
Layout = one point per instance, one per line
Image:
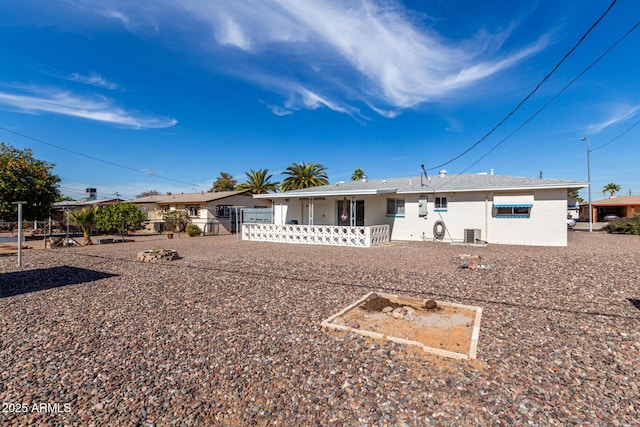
(440, 204)
(223, 211)
(193, 208)
(396, 208)
(513, 212)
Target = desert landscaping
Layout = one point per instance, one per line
(230, 334)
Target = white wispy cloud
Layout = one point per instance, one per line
(98, 108)
(279, 111)
(392, 61)
(620, 114)
(93, 79)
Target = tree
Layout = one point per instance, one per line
(304, 175)
(611, 188)
(24, 178)
(575, 195)
(258, 182)
(358, 174)
(224, 182)
(175, 220)
(84, 218)
(148, 193)
(110, 218)
(62, 198)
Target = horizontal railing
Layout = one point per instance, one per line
(318, 234)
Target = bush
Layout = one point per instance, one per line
(624, 226)
(193, 230)
(175, 221)
(110, 219)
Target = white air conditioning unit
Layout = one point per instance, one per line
(472, 235)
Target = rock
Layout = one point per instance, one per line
(399, 313)
(387, 309)
(431, 305)
(354, 325)
(373, 296)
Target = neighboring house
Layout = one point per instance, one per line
(59, 208)
(622, 206)
(573, 209)
(452, 208)
(213, 212)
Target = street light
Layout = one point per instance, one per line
(584, 138)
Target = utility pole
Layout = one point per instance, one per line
(584, 138)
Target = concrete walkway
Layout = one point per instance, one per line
(584, 226)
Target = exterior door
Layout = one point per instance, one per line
(344, 212)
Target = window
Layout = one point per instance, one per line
(514, 212)
(441, 204)
(395, 207)
(223, 211)
(193, 210)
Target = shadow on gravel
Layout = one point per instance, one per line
(23, 282)
(635, 302)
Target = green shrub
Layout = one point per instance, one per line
(193, 230)
(624, 226)
(175, 221)
(110, 219)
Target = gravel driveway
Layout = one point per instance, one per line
(230, 335)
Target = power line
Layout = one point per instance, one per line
(598, 59)
(109, 162)
(617, 137)
(530, 93)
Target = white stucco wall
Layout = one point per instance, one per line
(546, 225)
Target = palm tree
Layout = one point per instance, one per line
(304, 175)
(84, 218)
(258, 182)
(575, 195)
(358, 174)
(611, 188)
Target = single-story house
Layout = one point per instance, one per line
(622, 206)
(213, 212)
(466, 208)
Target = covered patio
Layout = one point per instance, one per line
(324, 219)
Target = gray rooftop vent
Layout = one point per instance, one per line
(442, 172)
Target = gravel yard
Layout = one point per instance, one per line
(230, 335)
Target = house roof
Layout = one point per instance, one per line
(188, 198)
(82, 203)
(618, 201)
(432, 184)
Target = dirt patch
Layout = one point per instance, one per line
(447, 327)
(378, 304)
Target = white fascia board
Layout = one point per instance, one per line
(475, 190)
(307, 194)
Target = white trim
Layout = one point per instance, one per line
(316, 194)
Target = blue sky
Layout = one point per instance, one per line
(190, 88)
